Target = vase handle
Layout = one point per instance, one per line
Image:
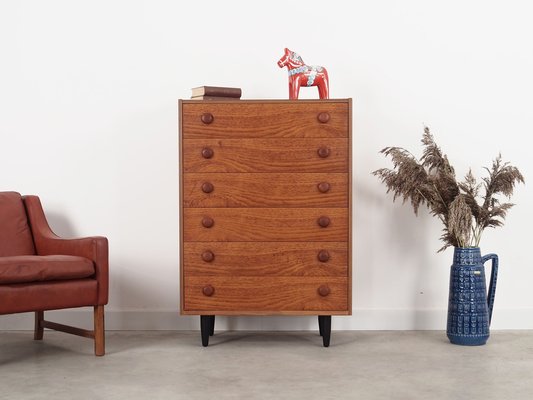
(493, 279)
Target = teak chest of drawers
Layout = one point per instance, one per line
(265, 209)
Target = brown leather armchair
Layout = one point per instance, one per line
(40, 271)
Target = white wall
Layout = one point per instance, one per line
(88, 95)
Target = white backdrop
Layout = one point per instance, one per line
(88, 121)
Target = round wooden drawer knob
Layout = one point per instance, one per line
(323, 290)
(207, 187)
(323, 117)
(207, 118)
(208, 256)
(207, 152)
(323, 221)
(209, 290)
(323, 152)
(323, 187)
(323, 256)
(208, 222)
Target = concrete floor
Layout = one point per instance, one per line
(266, 365)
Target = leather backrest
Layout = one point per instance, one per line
(15, 233)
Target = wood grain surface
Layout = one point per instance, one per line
(265, 293)
(265, 120)
(264, 224)
(265, 155)
(265, 259)
(265, 172)
(264, 190)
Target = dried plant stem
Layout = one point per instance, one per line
(440, 197)
(478, 231)
(426, 200)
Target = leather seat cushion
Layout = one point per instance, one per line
(15, 234)
(26, 269)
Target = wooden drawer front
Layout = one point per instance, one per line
(264, 224)
(260, 294)
(265, 155)
(265, 190)
(262, 120)
(265, 259)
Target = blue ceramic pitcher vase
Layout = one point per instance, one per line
(469, 303)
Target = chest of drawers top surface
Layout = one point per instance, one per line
(265, 207)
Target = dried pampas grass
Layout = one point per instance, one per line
(430, 181)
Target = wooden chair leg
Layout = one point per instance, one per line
(99, 331)
(39, 328)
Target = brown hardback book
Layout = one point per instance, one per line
(216, 91)
(214, 98)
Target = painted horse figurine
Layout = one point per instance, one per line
(304, 75)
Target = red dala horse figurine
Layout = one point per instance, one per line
(304, 75)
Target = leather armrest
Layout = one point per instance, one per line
(46, 242)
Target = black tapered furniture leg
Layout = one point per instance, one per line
(205, 328)
(320, 325)
(325, 328)
(212, 325)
